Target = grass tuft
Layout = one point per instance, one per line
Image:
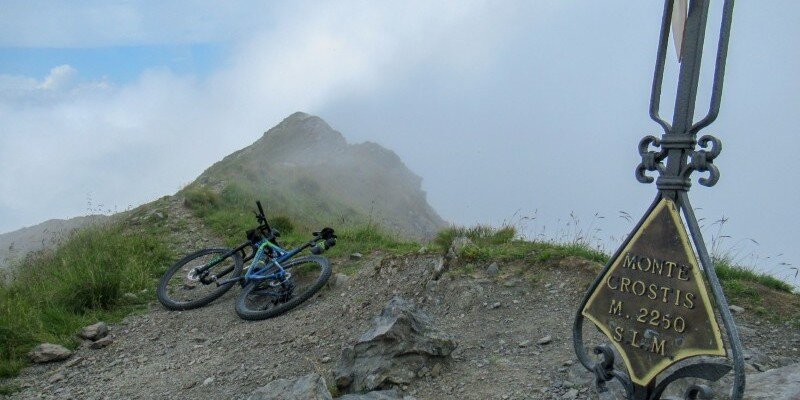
(502, 244)
(81, 282)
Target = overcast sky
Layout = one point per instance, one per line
(506, 109)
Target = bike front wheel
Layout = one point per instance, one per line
(181, 288)
(267, 298)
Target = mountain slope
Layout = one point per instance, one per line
(17, 244)
(305, 170)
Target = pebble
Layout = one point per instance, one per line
(208, 381)
(545, 340)
(56, 377)
(736, 309)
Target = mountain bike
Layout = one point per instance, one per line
(274, 283)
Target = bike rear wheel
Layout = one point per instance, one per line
(267, 298)
(181, 289)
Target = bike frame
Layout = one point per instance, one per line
(259, 254)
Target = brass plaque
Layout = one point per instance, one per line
(652, 303)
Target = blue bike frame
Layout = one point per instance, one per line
(259, 269)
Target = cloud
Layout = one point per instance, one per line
(67, 137)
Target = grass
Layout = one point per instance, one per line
(502, 244)
(7, 390)
(762, 293)
(87, 279)
(230, 214)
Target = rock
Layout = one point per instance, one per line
(47, 352)
(401, 342)
(736, 309)
(492, 269)
(73, 362)
(524, 343)
(459, 244)
(208, 381)
(439, 268)
(377, 395)
(571, 394)
(494, 305)
(189, 385)
(775, 384)
(356, 256)
(338, 280)
(100, 343)
(57, 377)
(422, 250)
(545, 340)
(94, 331)
(309, 387)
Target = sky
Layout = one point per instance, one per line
(525, 112)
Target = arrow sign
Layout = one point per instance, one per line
(680, 13)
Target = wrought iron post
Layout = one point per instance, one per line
(651, 300)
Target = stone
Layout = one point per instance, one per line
(94, 332)
(571, 394)
(736, 309)
(545, 340)
(73, 362)
(57, 377)
(309, 387)
(401, 342)
(377, 395)
(775, 384)
(459, 244)
(356, 256)
(524, 343)
(338, 280)
(208, 381)
(48, 352)
(492, 269)
(100, 343)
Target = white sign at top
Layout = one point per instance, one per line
(680, 13)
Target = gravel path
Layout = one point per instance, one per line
(513, 329)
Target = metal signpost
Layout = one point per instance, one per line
(653, 300)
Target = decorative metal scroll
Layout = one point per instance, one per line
(653, 300)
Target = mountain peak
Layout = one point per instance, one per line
(307, 168)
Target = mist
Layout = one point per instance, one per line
(526, 113)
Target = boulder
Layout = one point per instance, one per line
(775, 384)
(309, 387)
(377, 395)
(401, 345)
(94, 331)
(47, 352)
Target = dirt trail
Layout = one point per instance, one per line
(211, 354)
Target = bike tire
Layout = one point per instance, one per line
(249, 307)
(176, 290)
